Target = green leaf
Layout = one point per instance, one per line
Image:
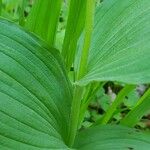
(142, 107)
(43, 19)
(131, 99)
(120, 49)
(75, 25)
(35, 94)
(112, 138)
(88, 29)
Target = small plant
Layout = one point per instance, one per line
(44, 93)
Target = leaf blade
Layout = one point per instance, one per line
(32, 77)
(75, 26)
(120, 47)
(142, 107)
(112, 137)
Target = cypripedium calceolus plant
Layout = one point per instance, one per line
(45, 92)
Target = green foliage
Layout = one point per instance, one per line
(35, 93)
(141, 108)
(118, 100)
(131, 99)
(43, 19)
(0, 7)
(13, 9)
(112, 138)
(118, 46)
(45, 93)
(75, 25)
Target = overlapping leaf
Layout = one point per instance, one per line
(112, 138)
(35, 95)
(120, 49)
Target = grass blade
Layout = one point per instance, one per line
(116, 103)
(142, 107)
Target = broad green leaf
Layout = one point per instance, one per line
(120, 49)
(35, 94)
(43, 19)
(75, 25)
(142, 107)
(112, 138)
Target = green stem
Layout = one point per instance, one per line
(90, 7)
(120, 97)
(74, 117)
(78, 91)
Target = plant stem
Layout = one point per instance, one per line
(118, 100)
(78, 91)
(74, 117)
(90, 7)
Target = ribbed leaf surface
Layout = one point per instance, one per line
(112, 138)
(120, 48)
(35, 95)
